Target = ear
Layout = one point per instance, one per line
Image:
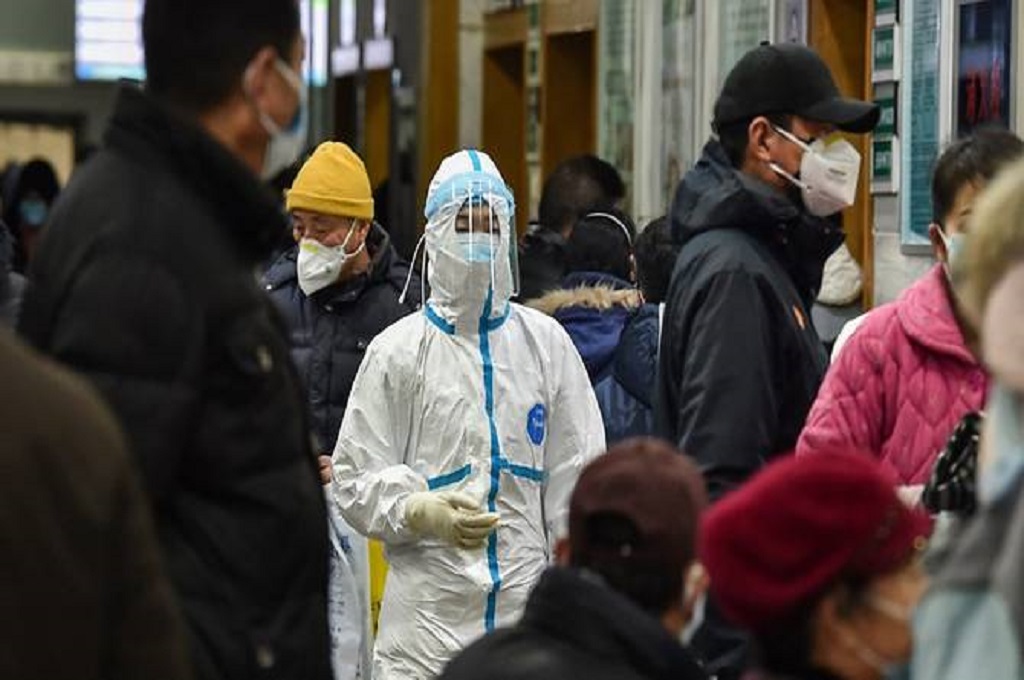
(563, 553)
(759, 139)
(258, 74)
(938, 244)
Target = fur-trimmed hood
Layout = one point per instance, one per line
(593, 309)
(600, 298)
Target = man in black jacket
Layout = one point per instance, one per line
(628, 586)
(146, 284)
(740, 361)
(339, 286)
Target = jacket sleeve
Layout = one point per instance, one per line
(969, 634)
(128, 327)
(575, 434)
(727, 406)
(849, 411)
(371, 480)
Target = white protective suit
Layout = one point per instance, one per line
(477, 395)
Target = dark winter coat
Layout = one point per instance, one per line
(83, 593)
(576, 627)
(626, 393)
(593, 309)
(146, 283)
(331, 329)
(741, 362)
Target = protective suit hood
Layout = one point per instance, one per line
(468, 290)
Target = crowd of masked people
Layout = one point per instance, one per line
(593, 451)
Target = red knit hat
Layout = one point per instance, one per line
(800, 526)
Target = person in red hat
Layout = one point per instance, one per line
(628, 585)
(818, 559)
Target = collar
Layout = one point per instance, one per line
(150, 132)
(925, 310)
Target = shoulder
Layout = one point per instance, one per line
(876, 334)
(77, 425)
(516, 654)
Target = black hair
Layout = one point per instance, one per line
(599, 244)
(979, 156)
(734, 137)
(197, 50)
(655, 259)
(655, 586)
(575, 187)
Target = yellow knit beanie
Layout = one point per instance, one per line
(333, 182)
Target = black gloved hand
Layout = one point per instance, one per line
(952, 484)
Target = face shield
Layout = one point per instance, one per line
(469, 239)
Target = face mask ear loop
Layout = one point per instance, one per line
(796, 182)
(412, 269)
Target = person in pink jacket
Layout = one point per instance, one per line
(908, 374)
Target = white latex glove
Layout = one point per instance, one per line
(450, 516)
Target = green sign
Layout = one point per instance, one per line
(887, 118)
(885, 7)
(883, 165)
(884, 53)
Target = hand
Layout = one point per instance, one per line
(910, 495)
(451, 516)
(325, 469)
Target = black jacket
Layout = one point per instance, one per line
(331, 329)
(740, 361)
(146, 283)
(576, 627)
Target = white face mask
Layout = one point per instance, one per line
(478, 248)
(285, 143)
(319, 266)
(694, 577)
(829, 172)
(954, 249)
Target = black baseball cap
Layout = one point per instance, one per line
(789, 79)
(655, 489)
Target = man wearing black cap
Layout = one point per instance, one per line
(755, 219)
(628, 583)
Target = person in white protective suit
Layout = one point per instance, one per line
(466, 429)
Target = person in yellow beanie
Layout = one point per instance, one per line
(338, 287)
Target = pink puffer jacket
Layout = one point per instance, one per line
(900, 384)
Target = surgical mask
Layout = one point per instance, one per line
(829, 171)
(33, 212)
(696, 621)
(476, 248)
(693, 578)
(285, 143)
(954, 250)
(320, 266)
